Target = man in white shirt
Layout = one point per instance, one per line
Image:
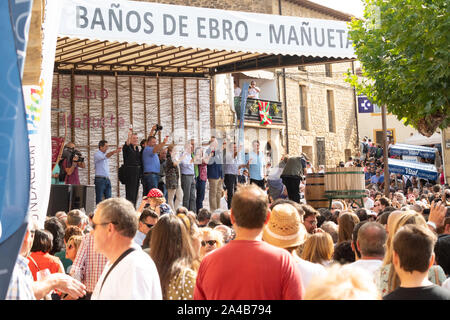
(147, 220)
(349, 163)
(253, 91)
(130, 273)
(370, 241)
(368, 202)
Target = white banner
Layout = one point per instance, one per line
(193, 27)
(38, 108)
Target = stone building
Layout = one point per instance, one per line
(315, 107)
(319, 106)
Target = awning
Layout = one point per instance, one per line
(400, 149)
(153, 37)
(420, 170)
(418, 139)
(260, 74)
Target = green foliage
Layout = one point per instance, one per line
(404, 48)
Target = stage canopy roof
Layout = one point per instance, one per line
(146, 37)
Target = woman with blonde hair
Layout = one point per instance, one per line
(343, 283)
(318, 248)
(210, 240)
(386, 278)
(346, 222)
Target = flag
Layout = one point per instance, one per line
(264, 115)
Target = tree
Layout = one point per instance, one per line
(404, 48)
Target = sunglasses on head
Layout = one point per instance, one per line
(210, 242)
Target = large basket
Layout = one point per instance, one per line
(315, 190)
(344, 183)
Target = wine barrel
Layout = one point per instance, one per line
(315, 191)
(344, 183)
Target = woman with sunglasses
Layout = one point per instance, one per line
(72, 246)
(210, 240)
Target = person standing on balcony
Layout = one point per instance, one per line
(253, 91)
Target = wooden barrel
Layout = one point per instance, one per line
(344, 183)
(315, 191)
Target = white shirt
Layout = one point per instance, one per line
(368, 203)
(309, 270)
(133, 278)
(253, 92)
(237, 92)
(372, 265)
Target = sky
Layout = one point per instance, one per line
(354, 7)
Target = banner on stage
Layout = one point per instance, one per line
(194, 27)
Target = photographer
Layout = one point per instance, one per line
(72, 160)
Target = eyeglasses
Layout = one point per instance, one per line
(94, 225)
(210, 242)
(148, 224)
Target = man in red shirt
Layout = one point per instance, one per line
(248, 268)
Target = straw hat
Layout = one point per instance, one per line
(284, 228)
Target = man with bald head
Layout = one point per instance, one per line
(256, 270)
(370, 244)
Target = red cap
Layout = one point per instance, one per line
(155, 193)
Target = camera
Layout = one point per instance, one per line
(70, 153)
(158, 128)
(77, 153)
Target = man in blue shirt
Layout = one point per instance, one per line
(151, 163)
(101, 161)
(256, 165)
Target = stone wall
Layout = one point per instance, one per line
(259, 6)
(316, 85)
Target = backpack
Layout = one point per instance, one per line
(379, 153)
(365, 148)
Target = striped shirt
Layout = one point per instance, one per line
(21, 283)
(88, 264)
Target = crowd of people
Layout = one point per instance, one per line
(264, 242)
(259, 249)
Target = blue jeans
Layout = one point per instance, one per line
(149, 181)
(102, 188)
(200, 186)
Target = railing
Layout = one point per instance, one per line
(252, 109)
